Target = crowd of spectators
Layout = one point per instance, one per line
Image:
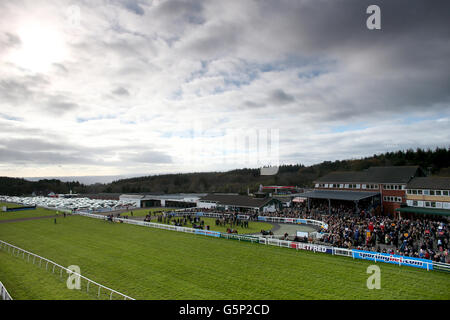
(352, 228)
(364, 229)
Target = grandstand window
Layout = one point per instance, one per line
(438, 192)
(346, 185)
(326, 185)
(426, 192)
(419, 191)
(399, 199)
(415, 203)
(317, 185)
(341, 186)
(408, 191)
(433, 204)
(445, 192)
(431, 192)
(403, 187)
(427, 204)
(358, 186)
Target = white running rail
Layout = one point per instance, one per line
(16, 251)
(4, 293)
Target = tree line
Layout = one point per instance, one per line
(434, 162)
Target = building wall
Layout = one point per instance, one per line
(389, 206)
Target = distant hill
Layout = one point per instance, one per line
(435, 162)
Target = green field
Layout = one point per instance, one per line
(27, 281)
(253, 227)
(148, 263)
(39, 212)
(143, 212)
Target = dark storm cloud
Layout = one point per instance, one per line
(402, 67)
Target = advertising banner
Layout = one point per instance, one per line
(311, 247)
(208, 233)
(393, 258)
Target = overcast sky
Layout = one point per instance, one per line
(123, 87)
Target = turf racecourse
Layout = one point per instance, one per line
(148, 263)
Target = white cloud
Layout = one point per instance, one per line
(122, 85)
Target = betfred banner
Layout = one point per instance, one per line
(393, 258)
(311, 247)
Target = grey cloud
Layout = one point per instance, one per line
(55, 158)
(57, 105)
(120, 91)
(32, 144)
(150, 157)
(133, 6)
(13, 91)
(190, 11)
(280, 97)
(253, 105)
(8, 39)
(60, 67)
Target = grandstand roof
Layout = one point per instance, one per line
(339, 195)
(435, 183)
(431, 211)
(398, 174)
(238, 200)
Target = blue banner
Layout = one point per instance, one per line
(261, 218)
(199, 214)
(300, 221)
(393, 258)
(208, 233)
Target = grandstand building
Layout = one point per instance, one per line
(427, 195)
(240, 203)
(389, 183)
(170, 200)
